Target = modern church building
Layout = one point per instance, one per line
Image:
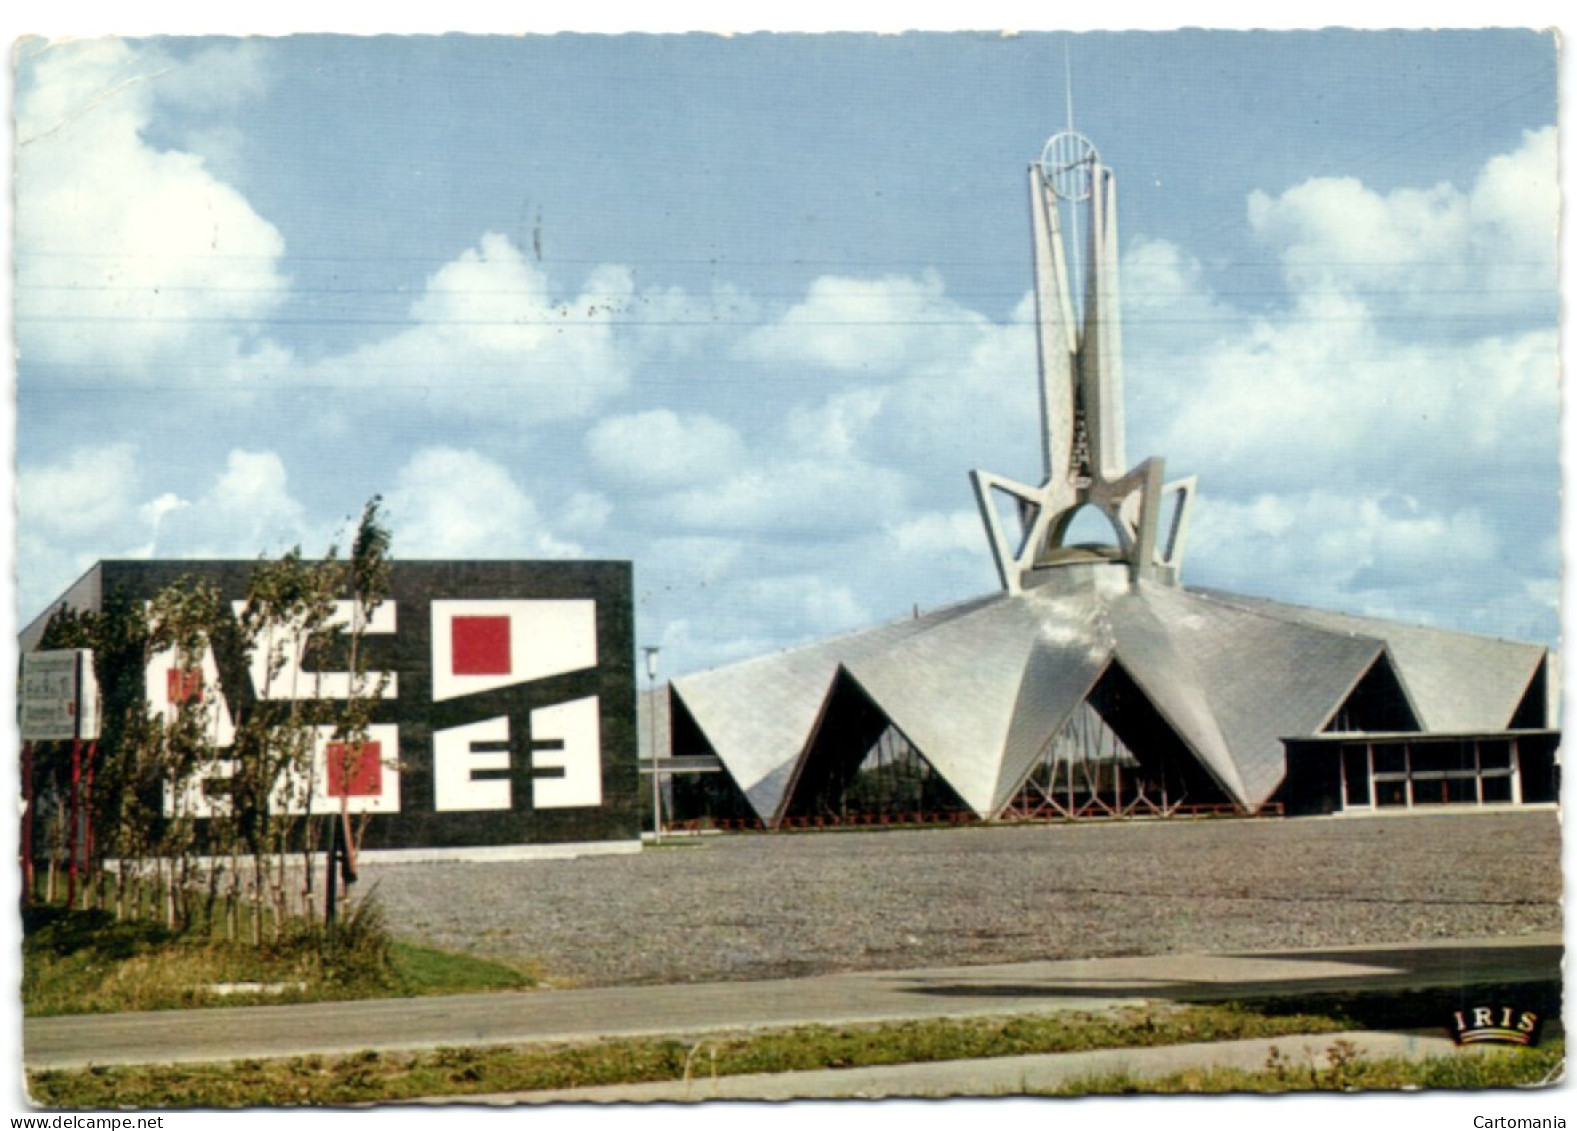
(1095, 683)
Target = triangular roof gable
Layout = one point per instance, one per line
(952, 690)
(758, 714)
(838, 735)
(1265, 678)
(1533, 709)
(1165, 675)
(1058, 676)
(686, 737)
(1457, 682)
(1389, 707)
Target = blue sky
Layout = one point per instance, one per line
(746, 310)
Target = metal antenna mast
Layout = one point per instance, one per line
(1073, 210)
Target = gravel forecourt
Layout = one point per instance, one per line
(736, 907)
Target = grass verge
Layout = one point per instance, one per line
(372, 1077)
(86, 962)
(1342, 1071)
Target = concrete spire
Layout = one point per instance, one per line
(1081, 396)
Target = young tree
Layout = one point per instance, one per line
(281, 630)
(200, 804)
(366, 578)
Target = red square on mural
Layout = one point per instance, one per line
(182, 684)
(355, 772)
(480, 646)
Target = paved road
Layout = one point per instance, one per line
(963, 991)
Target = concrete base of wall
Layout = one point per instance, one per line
(493, 853)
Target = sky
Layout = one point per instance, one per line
(746, 310)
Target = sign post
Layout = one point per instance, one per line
(60, 702)
(60, 696)
(27, 824)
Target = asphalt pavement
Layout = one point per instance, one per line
(533, 1017)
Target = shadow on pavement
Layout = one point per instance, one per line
(1382, 970)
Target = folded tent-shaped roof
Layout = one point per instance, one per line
(981, 689)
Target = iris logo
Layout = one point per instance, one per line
(1495, 1024)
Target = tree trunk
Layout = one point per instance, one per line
(169, 895)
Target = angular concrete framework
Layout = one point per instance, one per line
(1094, 683)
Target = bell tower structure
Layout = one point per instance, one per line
(1081, 402)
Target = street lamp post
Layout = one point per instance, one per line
(651, 710)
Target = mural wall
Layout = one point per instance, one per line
(507, 712)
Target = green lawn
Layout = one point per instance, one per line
(86, 962)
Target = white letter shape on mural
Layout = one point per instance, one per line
(575, 731)
(290, 681)
(168, 686)
(460, 751)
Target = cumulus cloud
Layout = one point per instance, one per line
(876, 326)
(670, 321)
(938, 532)
(455, 503)
(1442, 251)
(249, 510)
(942, 383)
(837, 428)
(89, 492)
(490, 340)
(812, 475)
(586, 512)
(1324, 396)
(1380, 553)
(130, 258)
(72, 513)
(661, 449)
(1335, 387)
(805, 498)
(1385, 442)
(95, 504)
(973, 405)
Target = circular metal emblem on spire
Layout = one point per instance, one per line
(1068, 165)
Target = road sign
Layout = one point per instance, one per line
(60, 696)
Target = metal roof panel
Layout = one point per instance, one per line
(1456, 681)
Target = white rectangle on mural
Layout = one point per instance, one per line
(484, 645)
(366, 777)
